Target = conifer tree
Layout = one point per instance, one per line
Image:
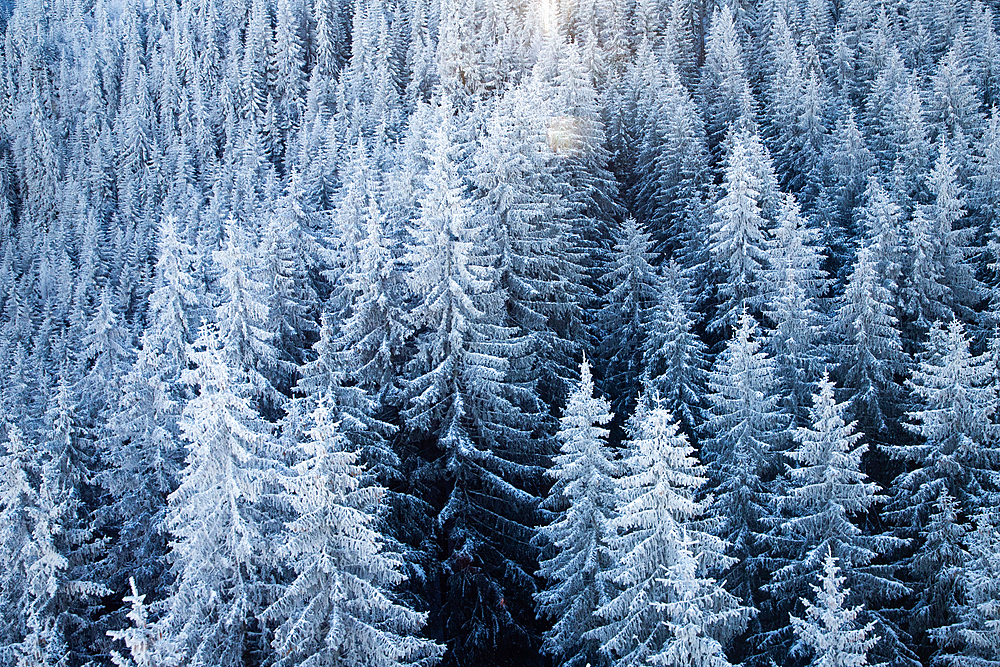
(540, 271)
(172, 302)
(827, 492)
(219, 517)
(950, 464)
(938, 564)
(632, 291)
(830, 632)
(340, 607)
(674, 361)
(667, 609)
(140, 639)
(745, 429)
(477, 455)
(796, 282)
(724, 93)
(973, 640)
(578, 538)
(19, 500)
(953, 419)
(869, 345)
(243, 316)
(738, 231)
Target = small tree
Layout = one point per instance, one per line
(140, 639)
(829, 631)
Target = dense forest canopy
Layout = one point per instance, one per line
(499, 332)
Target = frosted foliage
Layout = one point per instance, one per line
(724, 92)
(830, 632)
(826, 489)
(976, 633)
(462, 356)
(958, 399)
(633, 289)
(666, 606)
(217, 517)
(674, 365)
(243, 315)
(579, 536)
(738, 241)
(869, 339)
(373, 333)
(340, 609)
(139, 638)
(172, 300)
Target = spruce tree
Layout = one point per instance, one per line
(632, 291)
(743, 433)
(219, 518)
(830, 632)
(738, 243)
(340, 607)
(470, 453)
(577, 541)
(674, 361)
(666, 609)
(827, 494)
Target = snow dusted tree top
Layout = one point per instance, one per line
(829, 632)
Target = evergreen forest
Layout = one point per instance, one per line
(500, 333)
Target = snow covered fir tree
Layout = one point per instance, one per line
(523, 333)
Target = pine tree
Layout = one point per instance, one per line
(18, 509)
(339, 608)
(172, 302)
(578, 538)
(745, 429)
(368, 345)
(540, 270)
(938, 564)
(953, 420)
(140, 639)
(477, 453)
(950, 464)
(884, 230)
(632, 292)
(830, 631)
(106, 358)
(796, 282)
(243, 316)
(723, 93)
(672, 186)
(667, 610)
(219, 517)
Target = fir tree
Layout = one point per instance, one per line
(972, 641)
(340, 608)
(578, 538)
(830, 632)
(826, 490)
(869, 345)
(667, 609)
